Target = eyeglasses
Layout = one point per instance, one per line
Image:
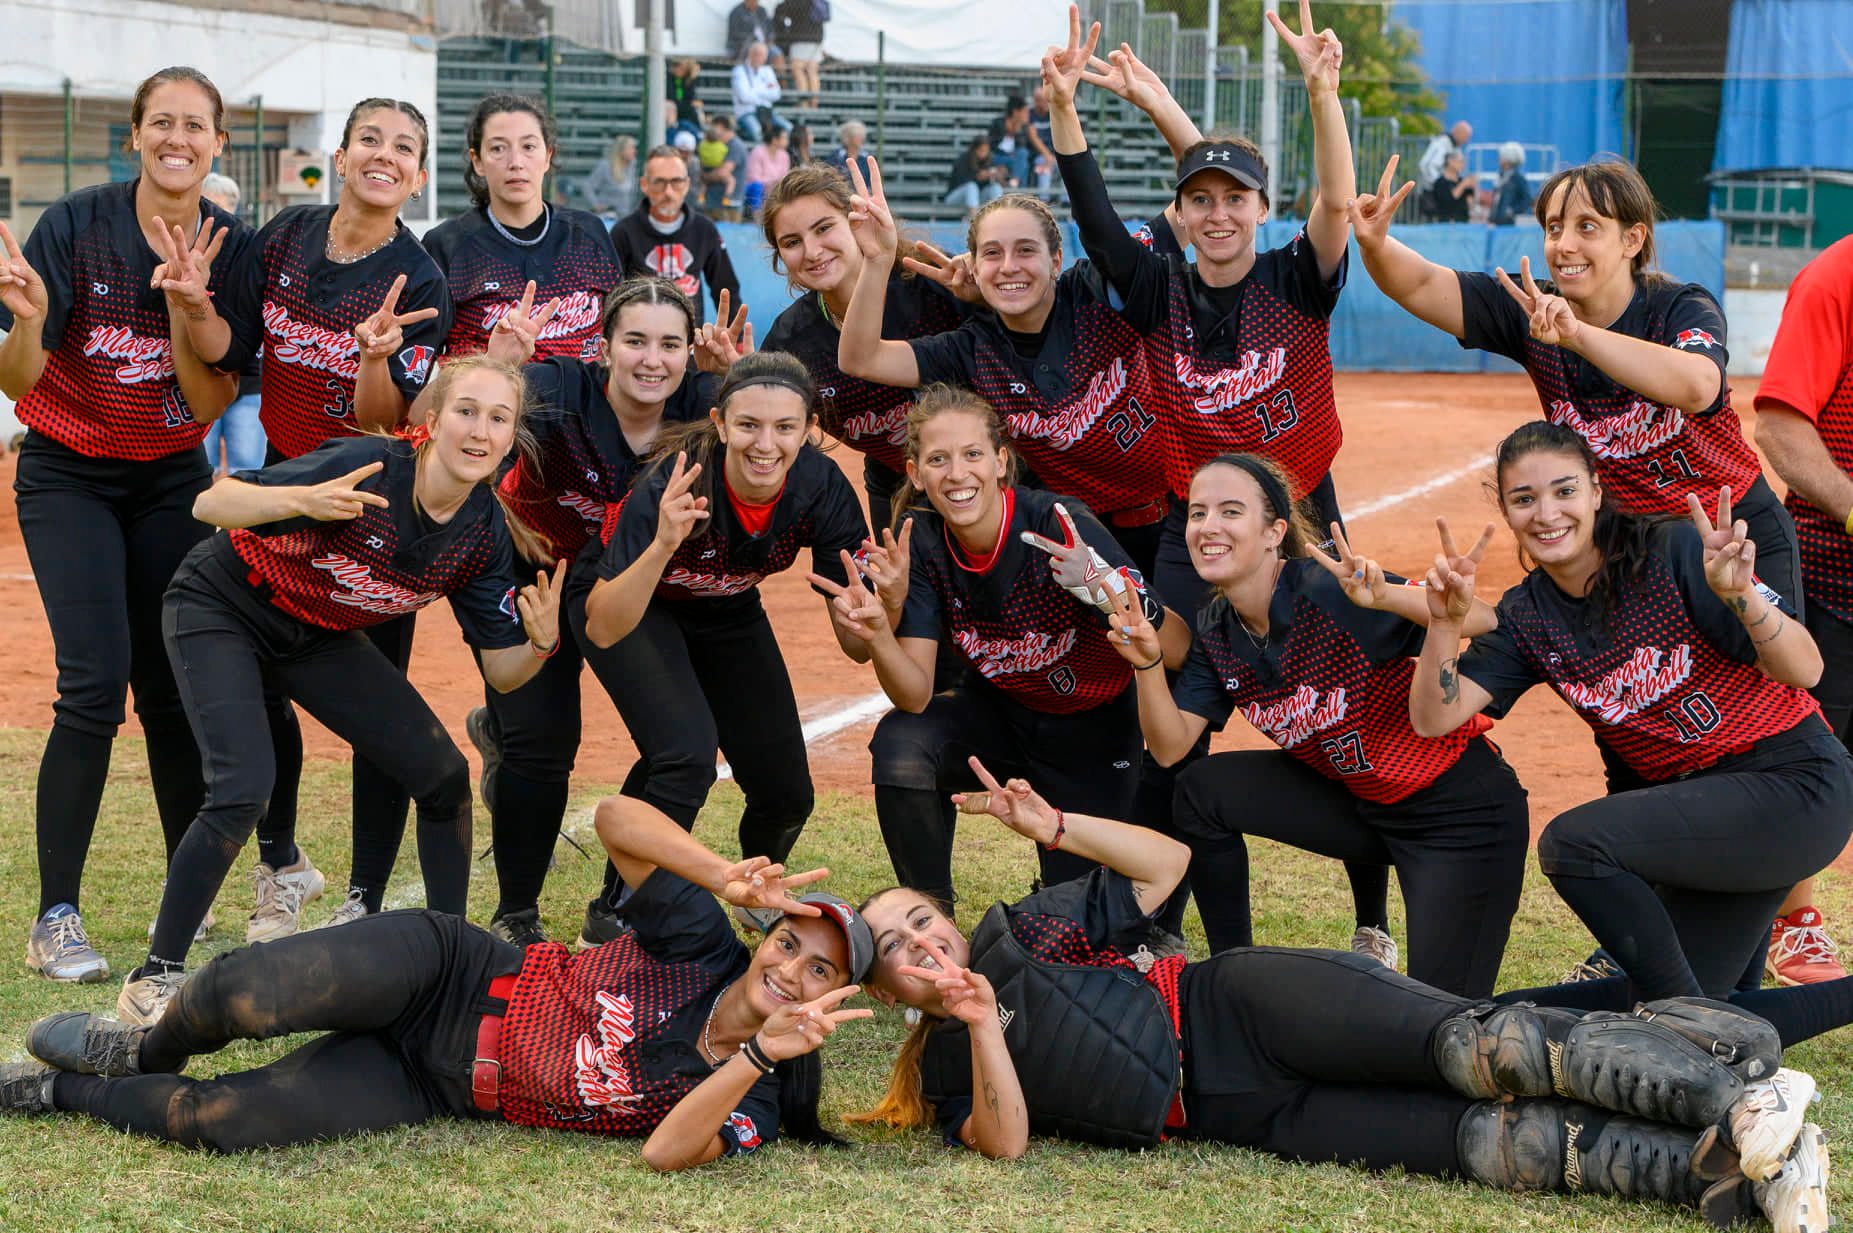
(660, 182)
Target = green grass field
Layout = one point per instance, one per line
(70, 1174)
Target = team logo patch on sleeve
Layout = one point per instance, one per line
(508, 605)
(1694, 338)
(744, 1131)
(416, 360)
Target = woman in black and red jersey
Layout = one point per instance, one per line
(1053, 1018)
(513, 240)
(675, 1031)
(352, 315)
(806, 220)
(360, 531)
(593, 424)
(1317, 654)
(115, 401)
(1066, 373)
(1628, 358)
(673, 625)
(1017, 582)
(1661, 639)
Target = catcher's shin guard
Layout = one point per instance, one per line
(1616, 1062)
(1743, 1041)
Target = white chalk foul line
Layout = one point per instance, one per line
(579, 825)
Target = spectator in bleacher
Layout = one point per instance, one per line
(688, 145)
(973, 179)
(800, 27)
(690, 116)
(1042, 139)
(723, 164)
(851, 135)
(801, 151)
(1010, 141)
(1512, 198)
(611, 188)
(755, 93)
(1436, 156)
(663, 237)
(1448, 199)
(766, 166)
(749, 23)
(237, 431)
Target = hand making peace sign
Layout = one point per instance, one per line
(1360, 576)
(966, 995)
(853, 609)
(1370, 213)
(1319, 54)
(185, 269)
(679, 510)
(22, 291)
(761, 882)
(539, 606)
(1552, 322)
(796, 1029)
(517, 332)
(1730, 553)
(340, 499)
(722, 343)
(1450, 579)
(869, 218)
(384, 332)
(1064, 67)
(1015, 804)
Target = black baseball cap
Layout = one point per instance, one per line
(1239, 164)
(856, 931)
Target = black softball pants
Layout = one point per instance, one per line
(400, 995)
(1318, 1056)
(700, 676)
(104, 537)
(1084, 762)
(1679, 880)
(1458, 847)
(224, 647)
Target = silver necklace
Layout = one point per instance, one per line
(707, 1031)
(329, 250)
(546, 223)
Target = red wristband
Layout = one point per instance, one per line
(1061, 828)
(549, 652)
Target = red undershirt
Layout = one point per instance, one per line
(755, 518)
(983, 564)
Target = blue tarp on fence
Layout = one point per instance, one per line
(1369, 332)
(1788, 86)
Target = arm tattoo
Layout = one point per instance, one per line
(1766, 614)
(990, 1096)
(1739, 605)
(1771, 638)
(1450, 681)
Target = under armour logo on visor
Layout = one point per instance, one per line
(1216, 156)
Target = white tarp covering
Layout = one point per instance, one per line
(950, 32)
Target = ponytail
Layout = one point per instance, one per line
(801, 1082)
(903, 1106)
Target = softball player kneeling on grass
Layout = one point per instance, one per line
(675, 1031)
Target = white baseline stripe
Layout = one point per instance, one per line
(579, 825)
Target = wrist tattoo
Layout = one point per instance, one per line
(1450, 681)
(1766, 615)
(1771, 638)
(1739, 605)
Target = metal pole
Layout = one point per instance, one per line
(256, 197)
(1270, 99)
(70, 116)
(547, 88)
(881, 96)
(655, 88)
(1209, 70)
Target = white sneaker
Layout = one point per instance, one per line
(1767, 1118)
(58, 948)
(350, 911)
(205, 926)
(144, 998)
(1795, 1200)
(280, 896)
(1374, 942)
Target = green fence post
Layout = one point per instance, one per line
(70, 117)
(881, 96)
(257, 167)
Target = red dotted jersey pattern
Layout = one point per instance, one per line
(1330, 686)
(1081, 412)
(1651, 456)
(605, 1042)
(108, 389)
(867, 417)
(586, 465)
(573, 261)
(817, 510)
(1669, 682)
(386, 563)
(1014, 624)
(308, 308)
(1810, 371)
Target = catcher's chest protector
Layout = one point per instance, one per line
(1093, 1046)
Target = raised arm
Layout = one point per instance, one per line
(1440, 698)
(1429, 291)
(378, 401)
(616, 604)
(864, 625)
(234, 503)
(1320, 55)
(1124, 74)
(1366, 585)
(999, 1123)
(861, 351)
(1103, 234)
(509, 668)
(1785, 650)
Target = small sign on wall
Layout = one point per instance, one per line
(301, 173)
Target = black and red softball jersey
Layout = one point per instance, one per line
(108, 389)
(307, 308)
(1080, 409)
(1091, 922)
(1667, 679)
(572, 260)
(1810, 372)
(605, 1042)
(817, 509)
(1018, 628)
(586, 465)
(869, 418)
(1329, 684)
(367, 570)
(691, 254)
(1650, 455)
(1240, 369)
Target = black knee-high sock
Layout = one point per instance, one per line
(194, 877)
(72, 771)
(444, 856)
(1370, 893)
(524, 825)
(174, 769)
(379, 828)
